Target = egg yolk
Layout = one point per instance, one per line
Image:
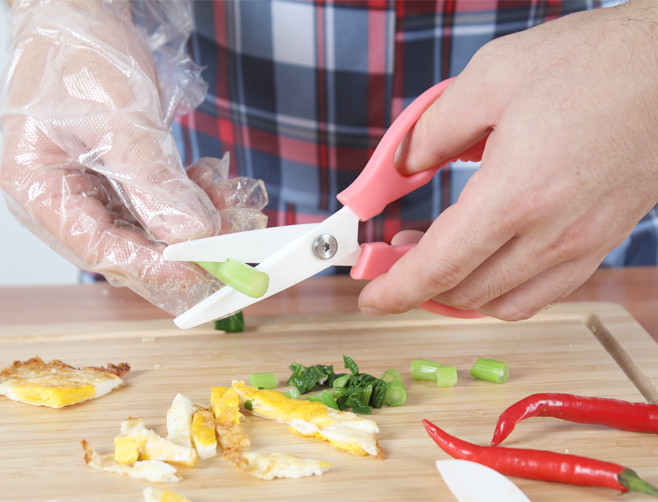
(169, 496)
(203, 428)
(55, 397)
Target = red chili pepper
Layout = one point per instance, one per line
(636, 417)
(543, 465)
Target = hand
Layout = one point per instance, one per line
(569, 167)
(89, 164)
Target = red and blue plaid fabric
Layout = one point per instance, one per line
(300, 93)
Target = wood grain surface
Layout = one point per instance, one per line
(584, 348)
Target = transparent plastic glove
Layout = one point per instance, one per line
(89, 164)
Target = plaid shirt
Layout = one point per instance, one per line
(300, 93)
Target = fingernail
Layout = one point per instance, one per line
(401, 152)
(372, 311)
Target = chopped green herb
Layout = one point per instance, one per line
(396, 394)
(353, 390)
(446, 376)
(422, 369)
(325, 398)
(305, 379)
(231, 324)
(265, 380)
(292, 392)
(238, 275)
(350, 364)
(340, 381)
(490, 370)
(390, 375)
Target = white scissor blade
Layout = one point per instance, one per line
(472, 482)
(291, 264)
(251, 246)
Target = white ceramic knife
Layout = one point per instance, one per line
(472, 482)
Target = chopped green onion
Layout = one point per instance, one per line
(291, 392)
(306, 378)
(490, 370)
(340, 381)
(391, 375)
(350, 364)
(264, 380)
(446, 376)
(362, 410)
(422, 369)
(338, 391)
(366, 392)
(396, 394)
(238, 275)
(324, 397)
(231, 324)
(248, 405)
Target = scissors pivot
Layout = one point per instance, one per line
(325, 246)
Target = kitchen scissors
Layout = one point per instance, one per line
(292, 253)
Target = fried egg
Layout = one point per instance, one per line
(179, 421)
(204, 435)
(155, 471)
(152, 446)
(276, 465)
(56, 384)
(225, 403)
(344, 430)
(154, 495)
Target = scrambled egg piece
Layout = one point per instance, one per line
(152, 446)
(155, 471)
(276, 465)
(153, 495)
(225, 405)
(179, 421)
(344, 430)
(57, 384)
(204, 435)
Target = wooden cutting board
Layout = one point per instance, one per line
(583, 348)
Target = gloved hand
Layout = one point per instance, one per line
(89, 164)
(569, 167)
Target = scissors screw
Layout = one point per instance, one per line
(325, 246)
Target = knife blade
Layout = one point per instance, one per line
(472, 482)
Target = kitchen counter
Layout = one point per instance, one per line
(634, 288)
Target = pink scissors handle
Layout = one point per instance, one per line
(377, 257)
(380, 183)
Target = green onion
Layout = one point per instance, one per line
(391, 375)
(325, 398)
(238, 275)
(422, 369)
(264, 380)
(340, 381)
(291, 392)
(248, 405)
(362, 410)
(396, 394)
(446, 376)
(490, 370)
(338, 391)
(231, 324)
